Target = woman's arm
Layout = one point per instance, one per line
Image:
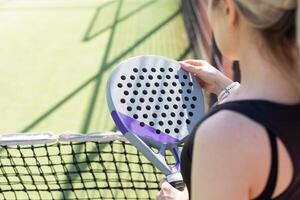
(210, 79)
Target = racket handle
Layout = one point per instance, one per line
(179, 185)
(176, 181)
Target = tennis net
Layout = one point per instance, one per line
(75, 166)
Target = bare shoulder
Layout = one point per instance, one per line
(232, 128)
(238, 145)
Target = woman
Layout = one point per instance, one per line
(248, 146)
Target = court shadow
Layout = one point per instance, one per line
(97, 78)
(91, 33)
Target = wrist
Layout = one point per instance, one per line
(222, 84)
(227, 91)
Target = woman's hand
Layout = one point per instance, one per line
(168, 192)
(208, 76)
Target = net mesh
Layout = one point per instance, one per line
(77, 170)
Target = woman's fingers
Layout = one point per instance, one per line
(195, 62)
(190, 68)
(166, 187)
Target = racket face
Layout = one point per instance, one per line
(155, 99)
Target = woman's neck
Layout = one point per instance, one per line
(262, 80)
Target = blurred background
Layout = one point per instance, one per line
(56, 55)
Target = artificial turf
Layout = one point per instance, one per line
(56, 56)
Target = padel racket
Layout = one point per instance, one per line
(155, 104)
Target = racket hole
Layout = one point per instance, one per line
(144, 70)
(179, 122)
(174, 84)
(135, 70)
(173, 114)
(120, 85)
(126, 93)
(151, 123)
(142, 100)
(145, 92)
(162, 69)
(157, 107)
(167, 131)
(139, 108)
(159, 77)
(135, 92)
(147, 84)
(153, 70)
(129, 85)
(170, 122)
(176, 76)
(148, 107)
(129, 108)
(142, 124)
(193, 106)
(145, 116)
(188, 121)
(154, 115)
(135, 116)
(154, 92)
(165, 84)
(191, 84)
(139, 85)
(191, 114)
(157, 131)
(175, 106)
(123, 77)
(141, 77)
(166, 107)
(161, 123)
(132, 100)
(151, 99)
(160, 99)
(194, 98)
(123, 101)
(168, 76)
(169, 99)
(189, 91)
(172, 91)
(132, 77)
(186, 98)
(156, 84)
(171, 70)
(176, 130)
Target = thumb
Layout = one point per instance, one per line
(166, 187)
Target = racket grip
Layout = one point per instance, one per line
(176, 181)
(179, 185)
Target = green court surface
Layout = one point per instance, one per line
(56, 56)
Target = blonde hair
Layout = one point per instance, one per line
(277, 21)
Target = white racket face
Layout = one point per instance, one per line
(155, 99)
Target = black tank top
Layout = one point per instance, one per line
(279, 120)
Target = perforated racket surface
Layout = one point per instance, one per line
(154, 103)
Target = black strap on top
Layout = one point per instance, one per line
(272, 180)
